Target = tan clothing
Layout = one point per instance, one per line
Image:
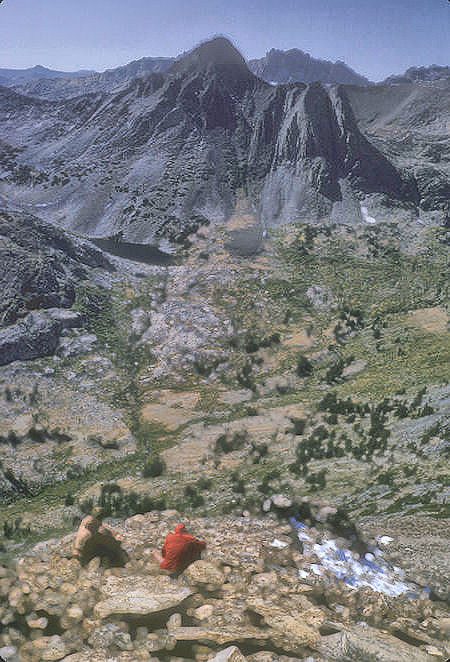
(97, 539)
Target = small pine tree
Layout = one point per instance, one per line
(154, 467)
(304, 366)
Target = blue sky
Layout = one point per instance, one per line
(375, 37)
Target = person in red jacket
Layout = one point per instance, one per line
(179, 551)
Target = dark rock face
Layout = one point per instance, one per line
(35, 336)
(179, 150)
(296, 66)
(39, 266)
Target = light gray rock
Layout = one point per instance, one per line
(139, 596)
(78, 345)
(354, 368)
(69, 319)
(9, 654)
(204, 572)
(320, 297)
(281, 501)
(110, 634)
(141, 321)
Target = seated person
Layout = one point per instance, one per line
(94, 538)
(179, 551)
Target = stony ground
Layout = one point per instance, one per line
(245, 593)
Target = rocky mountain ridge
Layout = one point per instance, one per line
(277, 66)
(10, 77)
(108, 81)
(193, 146)
(428, 74)
(296, 66)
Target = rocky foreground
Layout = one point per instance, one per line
(244, 600)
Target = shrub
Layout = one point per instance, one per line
(12, 438)
(430, 433)
(335, 371)
(36, 434)
(34, 395)
(195, 499)
(426, 410)
(245, 376)
(86, 505)
(299, 425)
(258, 451)
(204, 483)
(304, 366)
(227, 444)
(317, 480)
(418, 399)
(154, 467)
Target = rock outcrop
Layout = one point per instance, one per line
(41, 267)
(232, 606)
(127, 596)
(35, 336)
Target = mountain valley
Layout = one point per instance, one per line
(289, 359)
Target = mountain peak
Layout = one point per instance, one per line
(217, 54)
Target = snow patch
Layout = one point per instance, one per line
(366, 217)
(332, 558)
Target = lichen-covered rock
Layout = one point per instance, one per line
(290, 632)
(204, 572)
(220, 636)
(132, 596)
(47, 649)
(128, 615)
(281, 501)
(110, 634)
(365, 644)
